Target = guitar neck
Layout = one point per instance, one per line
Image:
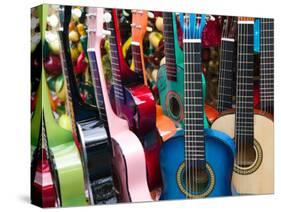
(244, 122)
(170, 35)
(97, 83)
(115, 50)
(193, 103)
(226, 74)
(78, 109)
(266, 64)
(138, 61)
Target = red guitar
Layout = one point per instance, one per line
(132, 100)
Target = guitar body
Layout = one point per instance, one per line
(211, 113)
(171, 94)
(138, 108)
(129, 168)
(258, 178)
(68, 169)
(220, 151)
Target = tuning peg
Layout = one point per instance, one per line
(149, 29)
(91, 14)
(150, 15)
(106, 32)
(133, 25)
(107, 17)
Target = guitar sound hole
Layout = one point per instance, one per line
(246, 157)
(196, 180)
(174, 106)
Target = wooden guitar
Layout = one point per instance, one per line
(133, 101)
(200, 163)
(165, 126)
(227, 64)
(128, 155)
(252, 130)
(170, 76)
(88, 129)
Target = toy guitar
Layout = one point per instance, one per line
(132, 100)
(252, 130)
(88, 129)
(165, 126)
(170, 76)
(266, 65)
(226, 67)
(199, 164)
(65, 161)
(128, 158)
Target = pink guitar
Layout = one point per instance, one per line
(128, 155)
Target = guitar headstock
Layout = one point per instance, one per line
(192, 25)
(229, 27)
(95, 19)
(139, 25)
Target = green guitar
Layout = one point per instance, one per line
(66, 164)
(170, 79)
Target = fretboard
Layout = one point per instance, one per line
(137, 56)
(115, 63)
(193, 105)
(244, 84)
(98, 88)
(80, 109)
(225, 84)
(169, 46)
(267, 65)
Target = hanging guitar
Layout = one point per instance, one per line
(128, 155)
(43, 191)
(251, 129)
(227, 64)
(164, 124)
(133, 101)
(88, 129)
(266, 89)
(170, 76)
(200, 163)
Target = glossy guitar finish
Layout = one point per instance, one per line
(170, 78)
(219, 148)
(200, 163)
(128, 155)
(43, 191)
(133, 101)
(88, 129)
(253, 130)
(66, 164)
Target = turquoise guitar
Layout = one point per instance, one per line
(200, 163)
(170, 77)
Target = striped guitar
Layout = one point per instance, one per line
(252, 130)
(227, 64)
(199, 164)
(88, 129)
(132, 100)
(128, 155)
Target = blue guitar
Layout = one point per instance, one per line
(200, 163)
